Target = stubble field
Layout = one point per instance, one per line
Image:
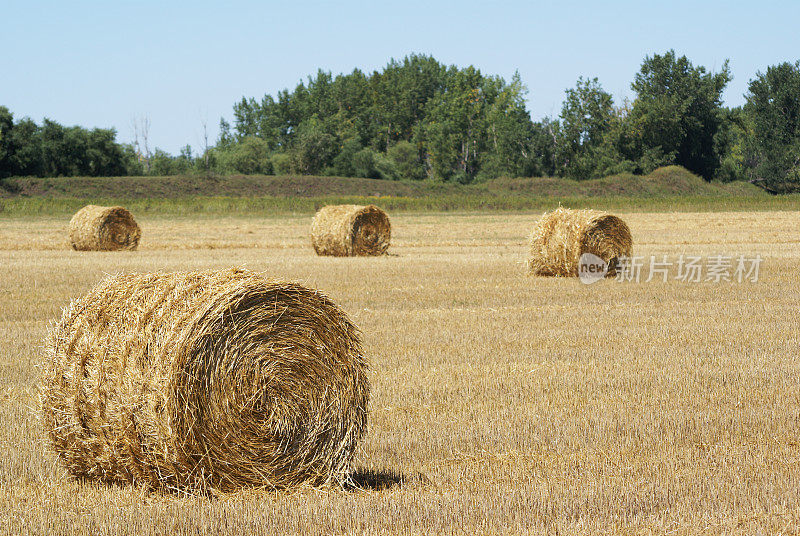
(501, 403)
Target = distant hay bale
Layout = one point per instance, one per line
(96, 228)
(198, 380)
(562, 236)
(350, 230)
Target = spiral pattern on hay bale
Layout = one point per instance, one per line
(560, 238)
(211, 379)
(350, 230)
(96, 228)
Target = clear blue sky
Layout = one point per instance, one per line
(100, 64)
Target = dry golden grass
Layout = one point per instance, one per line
(500, 403)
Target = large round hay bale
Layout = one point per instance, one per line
(563, 235)
(350, 230)
(96, 228)
(197, 380)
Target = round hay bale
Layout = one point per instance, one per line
(96, 228)
(198, 380)
(563, 235)
(350, 230)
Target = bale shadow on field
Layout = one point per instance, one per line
(376, 480)
(363, 480)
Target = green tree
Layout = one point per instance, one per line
(773, 143)
(543, 145)
(314, 149)
(161, 163)
(458, 121)
(184, 162)
(400, 97)
(729, 143)
(587, 116)
(6, 142)
(60, 149)
(510, 132)
(405, 158)
(281, 163)
(343, 162)
(609, 156)
(131, 164)
(225, 136)
(250, 156)
(104, 156)
(454, 132)
(365, 164)
(676, 115)
(27, 158)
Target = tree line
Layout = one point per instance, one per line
(420, 119)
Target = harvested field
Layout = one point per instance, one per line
(500, 403)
